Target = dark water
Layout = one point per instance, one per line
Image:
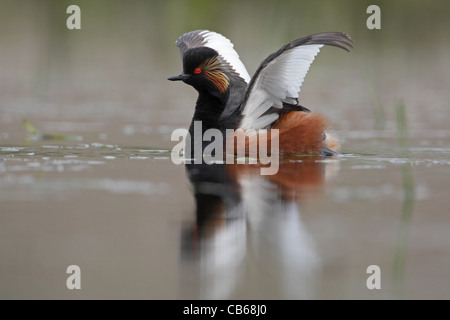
(96, 187)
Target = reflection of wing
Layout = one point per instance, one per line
(278, 239)
(280, 76)
(213, 40)
(246, 221)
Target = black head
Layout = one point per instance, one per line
(202, 69)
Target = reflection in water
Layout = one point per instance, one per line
(245, 219)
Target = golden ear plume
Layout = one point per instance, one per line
(211, 70)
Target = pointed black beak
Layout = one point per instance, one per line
(179, 77)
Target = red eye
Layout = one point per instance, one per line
(197, 70)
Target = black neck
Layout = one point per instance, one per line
(208, 110)
(216, 111)
(207, 114)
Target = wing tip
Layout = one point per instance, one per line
(337, 39)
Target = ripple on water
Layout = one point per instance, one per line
(71, 158)
(377, 162)
(154, 151)
(116, 186)
(11, 149)
(102, 145)
(382, 191)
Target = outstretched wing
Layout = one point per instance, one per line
(276, 83)
(214, 40)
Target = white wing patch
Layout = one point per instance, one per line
(279, 81)
(225, 48)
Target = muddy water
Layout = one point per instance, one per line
(94, 185)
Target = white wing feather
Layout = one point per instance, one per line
(279, 81)
(224, 47)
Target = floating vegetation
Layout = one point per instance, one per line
(37, 135)
(29, 127)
